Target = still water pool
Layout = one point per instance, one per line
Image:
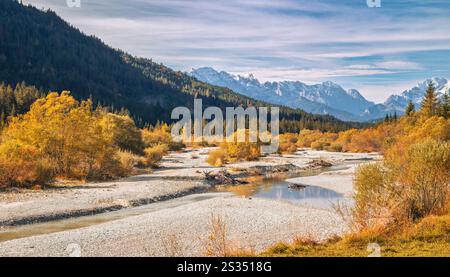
(278, 188)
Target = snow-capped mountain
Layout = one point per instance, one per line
(415, 94)
(325, 98)
(397, 103)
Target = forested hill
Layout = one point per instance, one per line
(41, 49)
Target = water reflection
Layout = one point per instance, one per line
(278, 189)
(308, 196)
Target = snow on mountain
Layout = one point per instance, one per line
(415, 94)
(325, 98)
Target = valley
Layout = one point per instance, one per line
(106, 151)
(138, 216)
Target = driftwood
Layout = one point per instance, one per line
(320, 163)
(265, 170)
(296, 186)
(222, 177)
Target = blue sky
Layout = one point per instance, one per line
(379, 51)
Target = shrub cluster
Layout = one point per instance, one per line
(233, 149)
(61, 137)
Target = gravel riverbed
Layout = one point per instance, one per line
(181, 230)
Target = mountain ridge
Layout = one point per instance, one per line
(324, 98)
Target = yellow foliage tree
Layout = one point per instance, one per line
(236, 150)
(123, 132)
(68, 137)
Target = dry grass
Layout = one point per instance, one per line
(430, 237)
(218, 243)
(172, 246)
(154, 154)
(130, 161)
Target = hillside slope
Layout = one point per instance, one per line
(40, 48)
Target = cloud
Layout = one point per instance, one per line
(310, 75)
(388, 65)
(286, 39)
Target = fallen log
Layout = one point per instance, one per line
(320, 163)
(222, 177)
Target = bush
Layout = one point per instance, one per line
(371, 196)
(124, 132)
(217, 157)
(286, 147)
(242, 151)
(64, 133)
(160, 134)
(154, 154)
(306, 137)
(22, 165)
(288, 143)
(233, 150)
(425, 177)
(334, 147)
(318, 145)
(130, 161)
(406, 189)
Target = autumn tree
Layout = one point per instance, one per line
(62, 137)
(123, 132)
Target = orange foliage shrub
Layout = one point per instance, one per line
(160, 134)
(235, 150)
(23, 165)
(306, 137)
(62, 137)
(288, 143)
(217, 157)
(155, 154)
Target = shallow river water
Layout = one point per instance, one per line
(273, 188)
(278, 188)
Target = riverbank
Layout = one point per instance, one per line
(250, 223)
(255, 221)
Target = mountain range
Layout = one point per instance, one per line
(325, 98)
(41, 49)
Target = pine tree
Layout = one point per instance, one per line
(395, 117)
(410, 108)
(430, 101)
(386, 118)
(13, 110)
(2, 119)
(445, 106)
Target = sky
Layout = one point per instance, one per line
(379, 51)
